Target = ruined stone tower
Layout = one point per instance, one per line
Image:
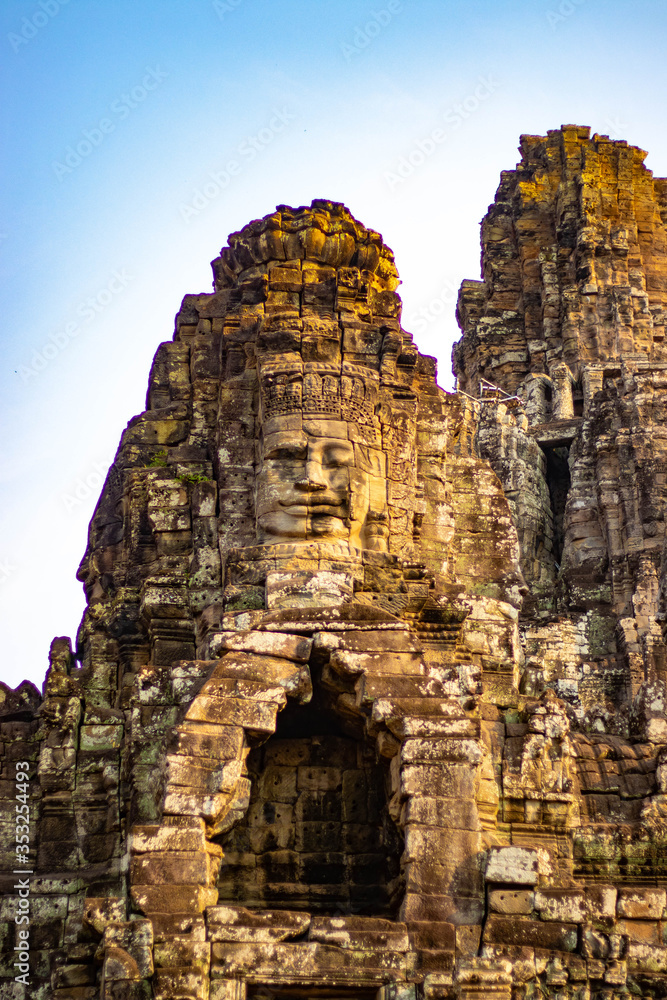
(368, 700)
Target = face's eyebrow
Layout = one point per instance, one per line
(292, 441)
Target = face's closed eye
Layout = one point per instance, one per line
(286, 453)
(337, 454)
(330, 453)
(285, 447)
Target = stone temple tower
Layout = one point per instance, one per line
(564, 344)
(368, 700)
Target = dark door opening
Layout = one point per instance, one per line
(558, 481)
(317, 835)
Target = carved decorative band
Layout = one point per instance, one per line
(326, 396)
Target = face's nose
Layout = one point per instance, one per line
(313, 480)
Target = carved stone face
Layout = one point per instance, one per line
(310, 485)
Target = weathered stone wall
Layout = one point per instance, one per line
(585, 376)
(368, 700)
(563, 345)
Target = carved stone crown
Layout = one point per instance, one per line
(332, 396)
(326, 233)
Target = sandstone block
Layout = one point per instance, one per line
(482, 974)
(173, 898)
(455, 877)
(307, 960)
(178, 982)
(168, 925)
(512, 865)
(85, 993)
(253, 716)
(168, 838)
(200, 774)
(119, 965)
(465, 908)
(647, 931)
(446, 780)
(241, 687)
(368, 641)
(278, 784)
(445, 749)
(432, 935)
(217, 742)
(236, 923)
(227, 989)
(576, 906)
(181, 802)
(641, 903)
(360, 933)
(511, 902)
(101, 738)
(178, 867)
(183, 951)
(433, 728)
(73, 976)
(301, 588)
(433, 961)
(434, 845)
(530, 933)
(468, 938)
(345, 661)
(647, 957)
(318, 779)
(392, 711)
(437, 985)
(289, 647)
(264, 668)
(371, 686)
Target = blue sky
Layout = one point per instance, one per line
(121, 119)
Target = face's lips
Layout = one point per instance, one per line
(314, 499)
(316, 503)
(317, 508)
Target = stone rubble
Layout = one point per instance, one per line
(368, 700)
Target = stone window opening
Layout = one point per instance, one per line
(558, 481)
(317, 834)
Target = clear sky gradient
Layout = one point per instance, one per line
(121, 119)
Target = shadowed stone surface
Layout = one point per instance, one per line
(368, 700)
